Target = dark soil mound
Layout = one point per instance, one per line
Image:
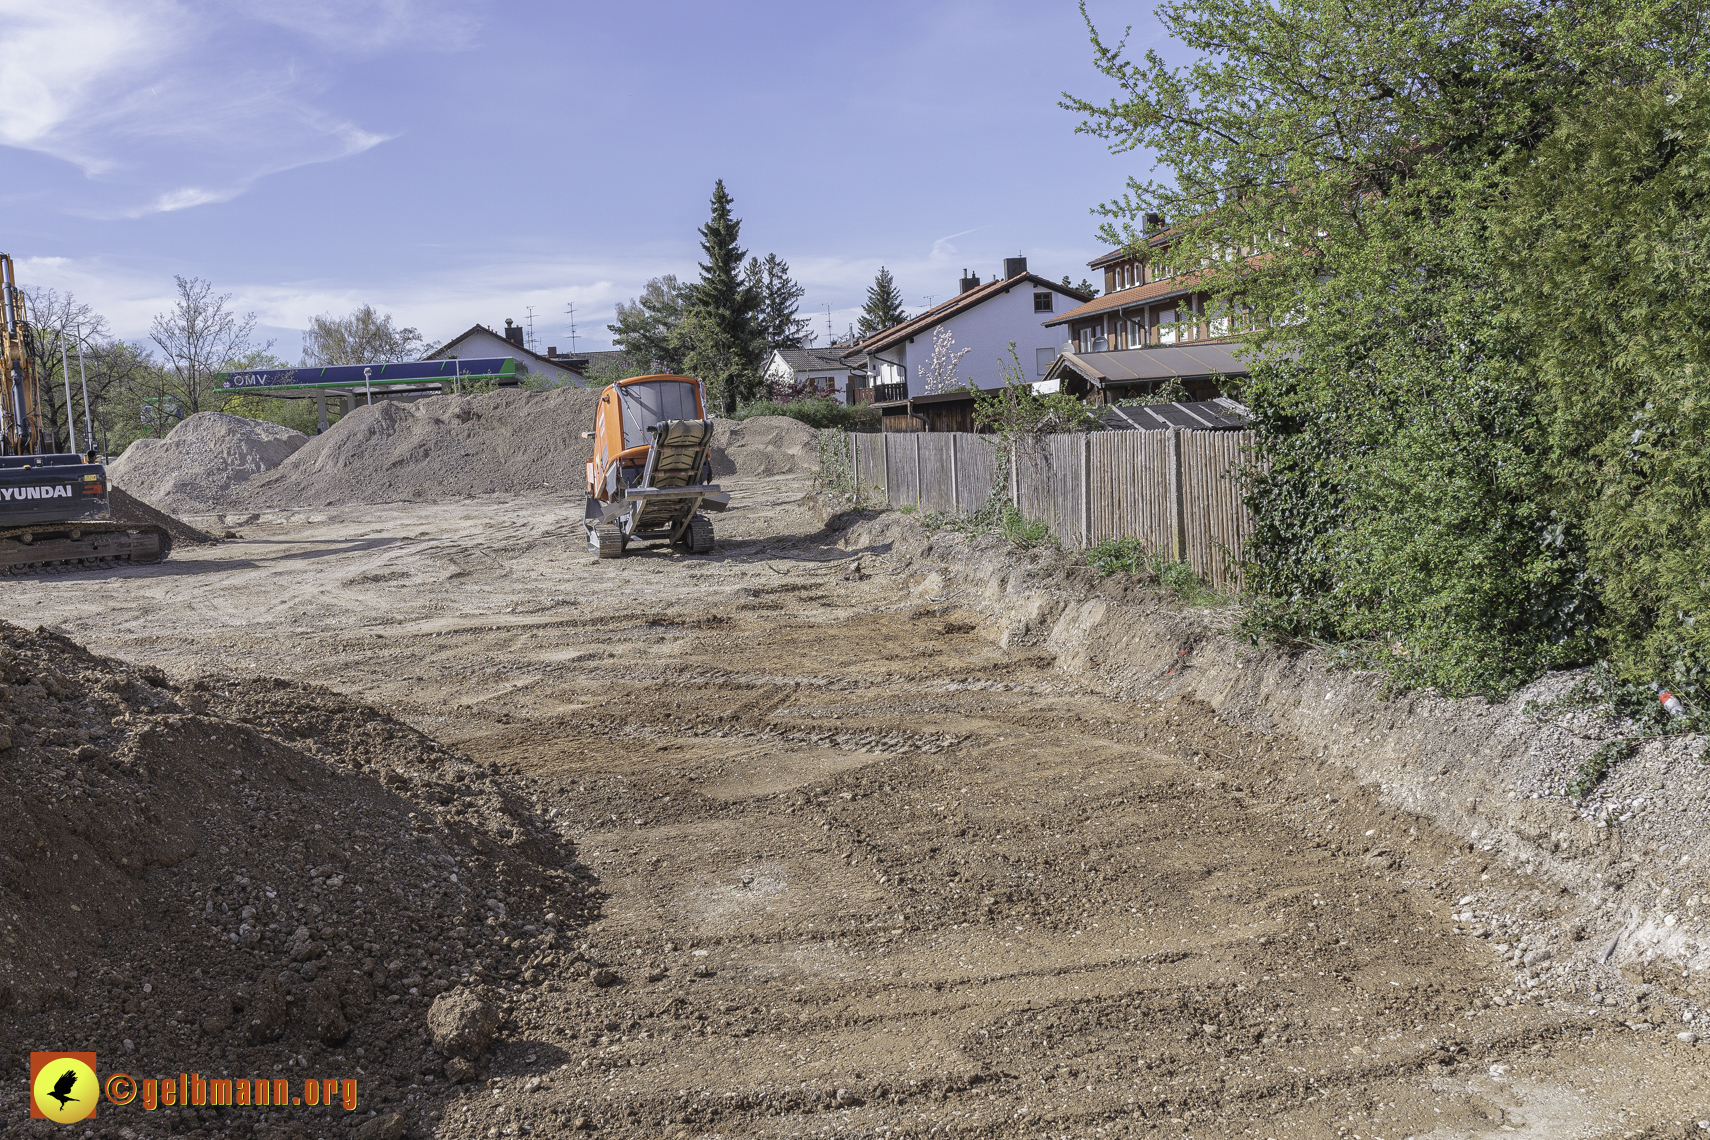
(128, 508)
(262, 879)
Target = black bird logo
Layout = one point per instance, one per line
(62, 1087)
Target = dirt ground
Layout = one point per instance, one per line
(859, 871)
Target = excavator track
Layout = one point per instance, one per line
(58, 547)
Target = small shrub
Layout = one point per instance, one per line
(998, 516)
(1128, 556)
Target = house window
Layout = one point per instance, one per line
(1042, 302)
(823, 385)
(1043, 358)
(1086, 340)
(1136, 331)
(1166, 334)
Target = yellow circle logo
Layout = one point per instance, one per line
(66, 1090)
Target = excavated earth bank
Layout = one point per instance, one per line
(1630, 867)
(876, 835)
(259, 879)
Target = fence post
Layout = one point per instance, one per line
(885, 462)
(1014, 477)
(1086, 490)
(955, 492)
(855, 464)
(1178, 509)
(919, 491)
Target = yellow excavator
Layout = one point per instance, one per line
(651, 474)
(54, 508)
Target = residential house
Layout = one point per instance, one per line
(817, 371)
(1204, 371)
(1152, 325)
(480, 342)
(982, 318)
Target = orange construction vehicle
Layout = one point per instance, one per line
(651, 474)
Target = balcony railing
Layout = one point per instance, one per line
(889, 393)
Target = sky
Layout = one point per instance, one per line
(460, 162)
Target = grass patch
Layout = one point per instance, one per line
(1127, 556)
(998, 516)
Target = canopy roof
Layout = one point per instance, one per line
(502, 369)
(1137, 365)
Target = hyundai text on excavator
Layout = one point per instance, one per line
(651, 474)
(53, 505)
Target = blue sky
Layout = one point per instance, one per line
(454, 163)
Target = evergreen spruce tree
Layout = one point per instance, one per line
(780, 298)
(884, 308)
(722, 343)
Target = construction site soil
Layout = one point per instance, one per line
(202, 460)
(127, 508)
(839, 831)
(512, 442)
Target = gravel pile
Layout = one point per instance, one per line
(262, 879)
(764, 445)
(129, 509)
(511, 442)
(202, 461)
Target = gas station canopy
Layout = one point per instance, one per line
(417, 375)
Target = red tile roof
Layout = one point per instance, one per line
(1140, 294)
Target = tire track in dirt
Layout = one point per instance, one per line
(841, 840)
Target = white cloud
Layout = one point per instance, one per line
(167, 104)
(352, 26)
(942, 247)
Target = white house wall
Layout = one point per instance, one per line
(987, 329)
(779, 371)
(485, 346)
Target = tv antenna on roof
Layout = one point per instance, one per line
(571, 310)
(830, 334)
(530, 327)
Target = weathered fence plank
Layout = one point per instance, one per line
(976, 471)
(1218, 525)
(1175, 492)
(937, 491)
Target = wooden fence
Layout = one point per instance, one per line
(1173, 490)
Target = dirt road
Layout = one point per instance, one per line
(862, 872)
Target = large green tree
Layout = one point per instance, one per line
(359, 337)
(723, 343)
(779, 322)
(884, 307)
(646, 327)
(1602, 245)
(1333, 170)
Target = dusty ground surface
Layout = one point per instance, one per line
(860, 870)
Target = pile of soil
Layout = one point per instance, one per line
(202, 460)
(510, 442)
(130, 509)
(446, 447)
(254, 879)
(764, 445)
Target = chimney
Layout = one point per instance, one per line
(1014, 267)
(969, 282)
(1154, 223)
(513, 332)
(551, 351)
